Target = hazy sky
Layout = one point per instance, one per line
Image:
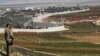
(39, 1)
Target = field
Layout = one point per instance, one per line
(65, 46)
(63, 43)
(82, 41)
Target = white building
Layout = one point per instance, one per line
(97, 22)
(8, 9)
(27, 8)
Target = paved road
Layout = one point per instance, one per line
(28, 52)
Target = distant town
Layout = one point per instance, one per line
(18, 16)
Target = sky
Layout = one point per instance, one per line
(40, 1)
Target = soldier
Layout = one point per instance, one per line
(8, 37)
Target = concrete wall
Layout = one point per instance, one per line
(50, 29)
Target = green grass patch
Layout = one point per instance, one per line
(83, 27)
(78, 54)
(70, 44)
